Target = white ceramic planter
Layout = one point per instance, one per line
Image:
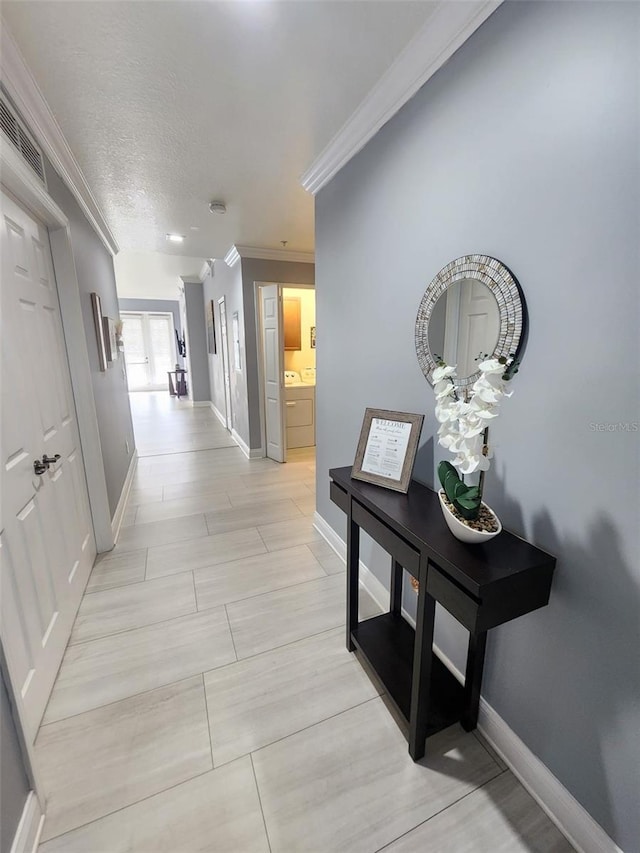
(462, 531)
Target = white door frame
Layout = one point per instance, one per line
(257, 285)
(18, 181)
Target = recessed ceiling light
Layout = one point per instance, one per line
(175, 238)
(194, 227)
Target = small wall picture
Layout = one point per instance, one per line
(96, 306)
(313, 337)
(110, 338)
(211, 329)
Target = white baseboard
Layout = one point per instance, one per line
(116, 522)
(571, 818)
(203, 404)
(250, 453)
(218, 414)
(29, 829)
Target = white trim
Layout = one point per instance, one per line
(35, 112)
(118, 515)
(236, 252)
(571, 818)
(29, 829)
(206, 270)
(203, 404)
(250, 453)
(216, 411)
(18, 178)
(448, 26)
(232, 257)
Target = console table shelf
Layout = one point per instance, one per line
(482, 586)
(386, 642)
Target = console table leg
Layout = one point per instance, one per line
(473, 680)
(353, 564)
(422, 656)
(395, 596)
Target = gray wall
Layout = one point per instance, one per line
(282, 272)
(524, 146)
(94, 267)
(168, 306)
(236, 284)
(196, 339)
(14, 785)
(227, 282)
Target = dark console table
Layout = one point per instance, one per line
(480, 585)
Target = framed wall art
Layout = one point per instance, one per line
(96, 307)
(211, 329)
(387, 448)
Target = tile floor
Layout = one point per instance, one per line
(206, 701)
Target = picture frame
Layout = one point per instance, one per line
(96, 307)
(110, 338)
(312, 336)
(387, 448)
(211, 329)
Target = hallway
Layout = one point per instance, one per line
(206, 700)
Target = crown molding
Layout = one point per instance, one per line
(232, 257)
(445, 30)
(207, 269)
(36, 113)
(236, 252)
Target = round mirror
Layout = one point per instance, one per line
(473, 308)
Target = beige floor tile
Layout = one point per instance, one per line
(306, 504)
(161, 532)
(271, 620)
(129, 516)
(144, 496)
(113, 668)
(286, 534)
(97, 762)
(253, 515)
(243, 495)
(255, 702)
(216, 585)
(365, 789)
(500, 817)
(219, 810)
(121, 609)
(117, 569)
(205, 551)
(181, 507)
(327, 557)
(209, 486)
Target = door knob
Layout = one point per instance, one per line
(50, 460)
(40, 467)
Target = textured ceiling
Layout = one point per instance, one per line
(168, 105)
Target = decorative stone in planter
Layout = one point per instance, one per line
(463, 530)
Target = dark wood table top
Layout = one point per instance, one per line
(417, 517)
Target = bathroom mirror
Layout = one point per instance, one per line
(474, 306)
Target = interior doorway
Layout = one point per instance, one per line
(149, 349)
(286, 324)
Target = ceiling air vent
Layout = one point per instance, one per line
(19, 137)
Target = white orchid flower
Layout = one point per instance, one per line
(491, 365)
(441, 373)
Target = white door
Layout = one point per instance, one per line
(272, 348)
(46, 537)
(149, 349)
(225, 361)
(472, 325)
